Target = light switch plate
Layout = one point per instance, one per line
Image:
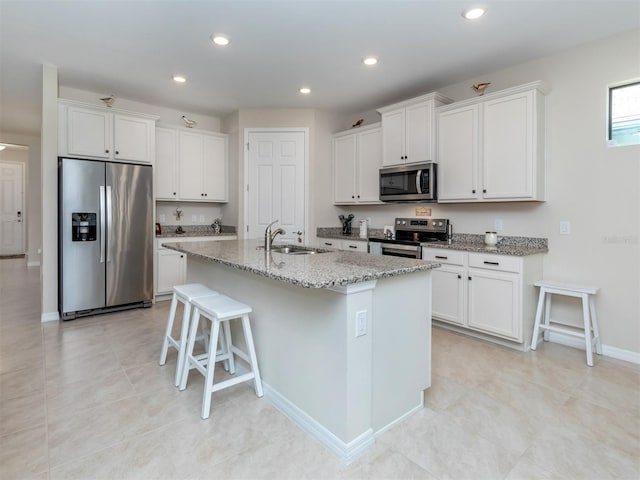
(163, 218)
(565, 227)
(497, 225)
(361, 323)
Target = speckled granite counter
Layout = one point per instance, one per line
(515, 246)
(169, 231)
(321, 270)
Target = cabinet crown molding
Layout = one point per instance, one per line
(75, 103)
(174, 128)
(363, 128)
(538, 85)
(413, 101)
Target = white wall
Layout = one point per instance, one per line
(595, 187)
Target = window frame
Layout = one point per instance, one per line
(610, 89)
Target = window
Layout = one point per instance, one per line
(624, 114)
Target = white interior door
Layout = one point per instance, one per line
(276, 189)
(11, 209)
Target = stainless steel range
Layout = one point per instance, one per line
(411, 234)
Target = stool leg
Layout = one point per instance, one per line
(246, 326)
(587, 328)
(547, 315)
(231, 364)
(594, 321)
(211, 367)
(193, 330)
(170, 320)
(182, 352)
(536, 325)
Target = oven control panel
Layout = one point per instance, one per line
(436, 225)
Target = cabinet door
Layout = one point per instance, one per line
(329, 243)
(171, 270)
(393, 137)
(419, 133)
(494, 303)
(344, 169)
(131, 138)
(89, 133)
(355, 246)
(190, 156)
(448, 294)
(507, 147)
(458, 154)
(166, 166)
(214, 169)
(369, 163)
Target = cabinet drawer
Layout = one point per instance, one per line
(440, 255)
(503, 263)
(355, 246)
(329, 243)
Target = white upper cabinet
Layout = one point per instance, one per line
(191, 166)
(408, 130)
(166, 167)
(357, 158)
(87, 131)
(491, 148)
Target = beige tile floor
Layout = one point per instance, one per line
(86, 399)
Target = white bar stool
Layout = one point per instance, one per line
(591, 335)
(220, 309)
(185, 294)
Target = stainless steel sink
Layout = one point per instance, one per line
(294, 250)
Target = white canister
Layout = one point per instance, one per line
(491, 239)
(363, 229)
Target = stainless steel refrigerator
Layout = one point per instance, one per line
(105, 242)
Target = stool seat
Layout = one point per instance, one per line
(220, 310)
(184, 294)
(590, 334)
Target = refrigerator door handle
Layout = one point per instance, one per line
(109, 222)
(102, 224)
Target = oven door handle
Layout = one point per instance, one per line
(401, 250)
(419, 182)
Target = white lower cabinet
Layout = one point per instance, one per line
(350, 245)
(485, 292)
(171, 266)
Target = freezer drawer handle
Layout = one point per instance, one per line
(103, 215)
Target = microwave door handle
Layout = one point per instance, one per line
(418, 181)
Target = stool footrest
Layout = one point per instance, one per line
(232, 381)
(562, 330)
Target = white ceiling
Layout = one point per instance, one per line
(133, 48)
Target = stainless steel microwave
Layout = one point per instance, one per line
(409, 183)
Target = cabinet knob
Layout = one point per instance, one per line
(353, 196)
(106, 151)
(484, 190)
(358, 196)
(469, 278)
(117, 152)
(473, 191)
(202, 194)
(459, 276)
(181, 256)
(174, 193)
(205, 194)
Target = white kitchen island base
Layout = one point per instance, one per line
(341, 388)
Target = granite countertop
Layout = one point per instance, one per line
(466, 242)
(169, 231)
(320, 270)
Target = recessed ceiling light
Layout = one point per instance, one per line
(305, 90)
(474, 13)
(179, 79)
(220, 39)
(369, 61)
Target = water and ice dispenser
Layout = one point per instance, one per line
(83, 227)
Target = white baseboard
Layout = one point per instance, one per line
(50, 317)
(389, 426)
(607, 350)
(33, 264)
(346, 452)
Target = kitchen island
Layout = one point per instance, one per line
(343, 338)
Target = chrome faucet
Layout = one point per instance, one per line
(270, 236)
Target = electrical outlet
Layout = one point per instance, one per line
(368, 219)
(497, 225)
(565, 227)
(163, 218)
(194, 218)
(361, 323)
(201, 218)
